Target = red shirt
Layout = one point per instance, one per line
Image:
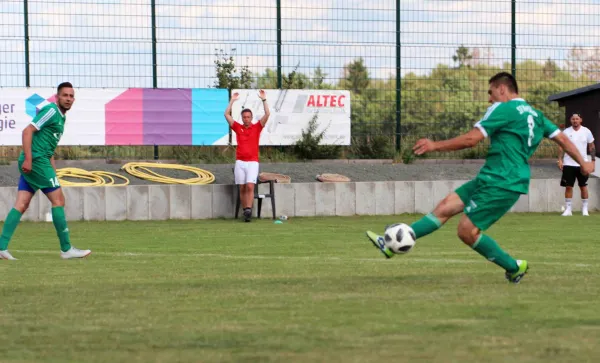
(247, 140)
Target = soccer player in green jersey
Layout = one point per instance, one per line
(515, 130)
(38, 171)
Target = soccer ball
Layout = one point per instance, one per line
(400, 238)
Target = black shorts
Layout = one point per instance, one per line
(569, 174)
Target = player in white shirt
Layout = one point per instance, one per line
(583, 139)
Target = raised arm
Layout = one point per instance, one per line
(263, 96)
(228, 117)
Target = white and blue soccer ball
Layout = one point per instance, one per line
(399, 238)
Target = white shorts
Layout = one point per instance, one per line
(246, 172)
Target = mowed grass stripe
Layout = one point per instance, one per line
(407, 259)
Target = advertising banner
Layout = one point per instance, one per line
(134, 116)
(291, 112)
(193, 116)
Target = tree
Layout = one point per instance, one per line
(550, 69)
(245, 78)
(292, 80)
(356, 76)
(295, 79)
(228, 75)
(584, 62)
(463, 56)
(267, 80)
(309, 146)
(318, 78)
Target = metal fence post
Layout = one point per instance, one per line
(398, 78)
(513, 40)
(26, 36)
(279, 80)
(154, 65)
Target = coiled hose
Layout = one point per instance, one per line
(142, 170)
(95, 178)
(138, 169)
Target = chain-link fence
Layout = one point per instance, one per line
(415, 68)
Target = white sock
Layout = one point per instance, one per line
(585, 204)
(568, 203)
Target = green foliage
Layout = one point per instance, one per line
(478, 152)
(376, 146)
(277, 154)
(228, 75)
(69, 153)
(318, 80)
(295, 80)
(407, 156)
(462, 56)
(309, 146)
(356, 76)
(267, 80)
(448, 101)
(292, 80)
(441, 104)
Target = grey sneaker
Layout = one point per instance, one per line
(5, 255)
(74, 253)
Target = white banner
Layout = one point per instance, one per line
(125, 116)
(291, 112)
(18, 106)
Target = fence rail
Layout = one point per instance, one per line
(415, 68)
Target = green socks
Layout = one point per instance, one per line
(426, 225)
(60, 224)
(10, 224)
(485, 245)
(489, 249)
(58, 218)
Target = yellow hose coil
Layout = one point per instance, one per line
(95, 178)
(142, 170)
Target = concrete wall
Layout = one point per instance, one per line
(160, 202)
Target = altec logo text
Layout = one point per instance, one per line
(326, 101)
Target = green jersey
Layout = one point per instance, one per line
(50, 123)
(515, 130)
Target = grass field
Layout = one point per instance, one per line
(310, 290)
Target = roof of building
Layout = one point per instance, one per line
(574, 92)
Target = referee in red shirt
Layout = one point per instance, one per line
(246, 156)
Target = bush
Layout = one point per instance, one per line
(276, 154)
(308, 147)
(373, 147)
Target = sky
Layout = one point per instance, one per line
(108, 43)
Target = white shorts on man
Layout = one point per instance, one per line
(245, 172)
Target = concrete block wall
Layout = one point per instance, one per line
(162, 202)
